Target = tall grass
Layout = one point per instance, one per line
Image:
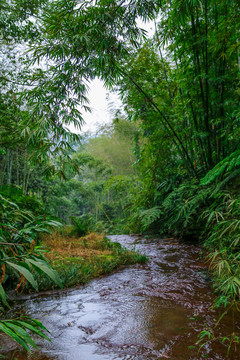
(78, 260)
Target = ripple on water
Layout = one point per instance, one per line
(143, 312)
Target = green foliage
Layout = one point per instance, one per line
(81, 225)
(224, 171)
(78, 270)
(19, 258)
(173, 169)
(113, 146)
(208, 211)
(18, 330)
(147, 217)
(223, 230)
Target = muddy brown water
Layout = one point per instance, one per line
(141, 312)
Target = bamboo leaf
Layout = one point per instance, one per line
(34, 329)
(21, 332)
(3, 296)
(43, 266)
(26, 273)
(14, 336)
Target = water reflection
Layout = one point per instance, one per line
(145, 312)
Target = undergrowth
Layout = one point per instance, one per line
(78, 260)
(20, 259)
(206, 211)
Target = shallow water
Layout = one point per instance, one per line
(142, 312)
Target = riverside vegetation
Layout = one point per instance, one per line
(25, 262)
(169, 164)
(77, 260)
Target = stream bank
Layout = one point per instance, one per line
(143, 312)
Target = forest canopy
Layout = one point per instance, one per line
(170, 161)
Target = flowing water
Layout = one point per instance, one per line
(142, 312)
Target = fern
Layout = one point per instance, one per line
(227, 168)
(148, 217)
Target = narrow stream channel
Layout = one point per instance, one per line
(142, 312)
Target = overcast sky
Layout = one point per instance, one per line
(102, 102)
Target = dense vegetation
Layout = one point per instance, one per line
(168, 164)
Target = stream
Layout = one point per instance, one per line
(141, 312)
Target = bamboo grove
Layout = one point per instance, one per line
(179, 124)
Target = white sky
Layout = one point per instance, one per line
(102, 102)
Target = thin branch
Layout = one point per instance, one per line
(14, 82)
(166, 122)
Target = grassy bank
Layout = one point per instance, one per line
(78, 260)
